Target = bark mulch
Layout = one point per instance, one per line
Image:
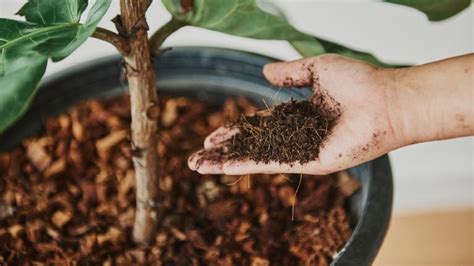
(67, 197)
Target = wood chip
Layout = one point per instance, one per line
(104, 144)
(57, 167)
(166, 183)
(178, 234)
(64, 121)
(78, 131)
(88, 243)
(210, 189)
(286, 194)
(60, 218)
(137, 256)
(6, 211)
(221, 210)
(38, 156)
(34, 230)
(15, 230)
(257, 261)
(53, 233)
(113, 234)
(197, 239)
(4, 161)
(347, 184)
(170, 113)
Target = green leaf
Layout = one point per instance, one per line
(85, 30)
(435, 9)
(17, 90)
(237, 17)
(244, 18)
(311, 47)
(52, 12)
(21, 68)
(18, 38)
(52, 31)
(308, 47)
(22, 64)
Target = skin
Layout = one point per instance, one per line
(381, 110)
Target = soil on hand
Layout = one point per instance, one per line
(292, 131)
(67, 197)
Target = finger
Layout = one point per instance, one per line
(245, 167)
(219, 136)
(295, 73)
(206, 162)
(193, 160)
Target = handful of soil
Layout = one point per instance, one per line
(292, 131)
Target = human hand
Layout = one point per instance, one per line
(365, 130)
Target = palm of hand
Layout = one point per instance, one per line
(364, 129)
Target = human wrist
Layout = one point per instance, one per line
(406, 106)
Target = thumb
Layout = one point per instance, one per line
(297, 73)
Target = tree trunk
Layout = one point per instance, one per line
(144, 108)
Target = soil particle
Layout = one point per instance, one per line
(460, 118)
(374, 143)
(461, 121)
(74, 204)
(324, 100)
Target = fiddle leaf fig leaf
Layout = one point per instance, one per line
(237, 17)
(49, 13)
(52, 30)
(53, 12)
(21, 68)
(244, 18)
(308, 48)
(18, 38)
(85, 30)
(435, 10)
(17, 91)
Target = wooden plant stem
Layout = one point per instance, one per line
(144, 108)
(120, 43)
(157, 38)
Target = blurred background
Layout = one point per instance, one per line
(434, 184)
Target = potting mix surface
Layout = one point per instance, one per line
(67, 197)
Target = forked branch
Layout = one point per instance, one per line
(120, 43)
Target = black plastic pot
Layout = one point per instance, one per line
(214, 74)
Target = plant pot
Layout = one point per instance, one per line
(214, 74)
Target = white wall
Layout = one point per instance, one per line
(427, 176)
